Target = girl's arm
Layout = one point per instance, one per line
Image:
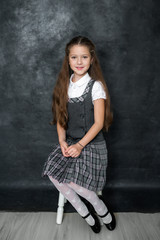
(62, 139)
(99, 109)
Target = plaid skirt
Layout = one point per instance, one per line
(87, 170)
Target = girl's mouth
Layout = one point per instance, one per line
(79, 68)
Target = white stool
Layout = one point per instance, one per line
(61, 201)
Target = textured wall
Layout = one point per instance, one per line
(33, 35)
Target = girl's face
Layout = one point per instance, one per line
(79, 60)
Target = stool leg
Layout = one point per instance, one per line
(60, 208)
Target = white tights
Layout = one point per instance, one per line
(71, 192)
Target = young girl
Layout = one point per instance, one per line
(81, 109)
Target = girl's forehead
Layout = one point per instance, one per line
(79, 49)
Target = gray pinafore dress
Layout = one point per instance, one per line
(89, 168)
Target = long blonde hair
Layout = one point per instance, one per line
(60, 92)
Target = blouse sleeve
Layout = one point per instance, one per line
(98, 91)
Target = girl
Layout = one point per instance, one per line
(81, 109)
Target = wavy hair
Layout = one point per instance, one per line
(60, 92)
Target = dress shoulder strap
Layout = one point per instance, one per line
(86, 90)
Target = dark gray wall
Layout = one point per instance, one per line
(33, 35)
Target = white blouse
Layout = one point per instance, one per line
(76, 89)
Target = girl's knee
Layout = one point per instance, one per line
(71, 184)
(54, 181)
(74, 186)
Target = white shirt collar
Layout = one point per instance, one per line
(81, 81)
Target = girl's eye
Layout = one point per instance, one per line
(73, 57)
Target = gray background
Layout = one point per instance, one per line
(33, 35)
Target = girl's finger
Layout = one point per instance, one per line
(70, 151)
(65, 154)
(69, 148)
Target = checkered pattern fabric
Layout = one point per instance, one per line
(88, 170)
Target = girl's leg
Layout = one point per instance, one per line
(92, 197)
(74, 199)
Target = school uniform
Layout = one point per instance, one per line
(89, 168)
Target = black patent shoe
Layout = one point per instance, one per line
(111, 226)
(96, 228)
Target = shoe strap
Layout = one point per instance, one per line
(86, 216)
(104, 215)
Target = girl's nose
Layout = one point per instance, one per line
(79, 60)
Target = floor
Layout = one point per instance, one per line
(42, 226)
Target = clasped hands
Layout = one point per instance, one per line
(70, 151)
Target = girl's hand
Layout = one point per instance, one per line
(74, 150)
(64, 147)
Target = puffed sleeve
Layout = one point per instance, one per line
(98, 91)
